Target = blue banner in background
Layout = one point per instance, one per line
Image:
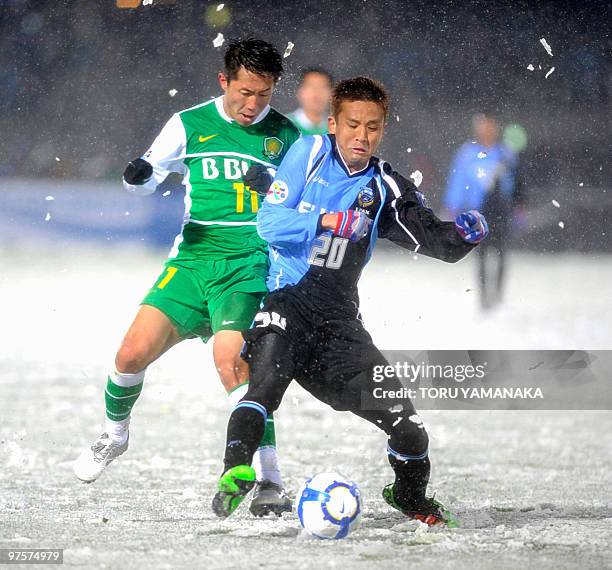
(48, 211)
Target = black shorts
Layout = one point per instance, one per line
(332, 353)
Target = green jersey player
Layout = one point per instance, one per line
(215, 276)
(313, 95)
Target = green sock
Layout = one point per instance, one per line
(269, 437)
(120, 400)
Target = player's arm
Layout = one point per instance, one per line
(280, 221)
(407, 221)
(144, 174)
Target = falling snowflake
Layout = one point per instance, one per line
(397, 421)
(408, 149)
(49, 198)
(549, 72)
(561, 225)
(397, 118)
(166, 193)
(530, 67)
(220, 7)
(556, 204)
(47, 217)
(172, 92)
(218, 41)
(581, 184)
(147, 2)
(417, 177)
(482, 154)
(57, 159)
(481, 173)
(546, 46)
(289, 49)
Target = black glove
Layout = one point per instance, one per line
(137, 172)
(258, 178)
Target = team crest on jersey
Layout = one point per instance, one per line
(365, 197)
(277, 192)
(273, 147)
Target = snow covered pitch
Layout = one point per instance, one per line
(532, 489)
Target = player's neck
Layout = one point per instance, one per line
(315, 118)
(352, 168)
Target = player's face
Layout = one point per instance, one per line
(359, 127)
(246, 95)
(486, 131)
(314, 93)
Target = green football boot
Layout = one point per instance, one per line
(428, 511)
(233, 487)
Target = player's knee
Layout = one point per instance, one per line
(132, 357)
(270, 350)
(271, 370)
(227, 369)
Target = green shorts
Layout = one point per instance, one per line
(203, 297)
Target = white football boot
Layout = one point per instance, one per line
(94, 460)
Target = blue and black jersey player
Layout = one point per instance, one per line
(329, 203)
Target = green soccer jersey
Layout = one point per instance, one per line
(305, 125)
(213, 152)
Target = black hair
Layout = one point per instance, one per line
(256, 56)
(319, 70)
(359, 89)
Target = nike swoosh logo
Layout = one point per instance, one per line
(227, 322)
(204, 139)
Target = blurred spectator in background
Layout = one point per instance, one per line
(484, 177)
(313, 95)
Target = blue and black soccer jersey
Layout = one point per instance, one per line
(314, 179)
(477, 171)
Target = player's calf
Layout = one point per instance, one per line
(121, 393)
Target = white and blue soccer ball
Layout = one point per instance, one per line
(329, 506)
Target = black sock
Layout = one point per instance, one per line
(244, 432)
(411, 478)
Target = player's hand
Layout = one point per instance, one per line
(258, 178)
(137, 172)
(352, 224)
(472, 226)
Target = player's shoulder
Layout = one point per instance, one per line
(399, 185)
(508, 155)
(311, 149)
(467, 150)
(282, 122)
(199, 109)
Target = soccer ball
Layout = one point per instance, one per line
(329, 505)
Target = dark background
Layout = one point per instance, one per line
(89, 82)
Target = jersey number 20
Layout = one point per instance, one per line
(329, 252)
